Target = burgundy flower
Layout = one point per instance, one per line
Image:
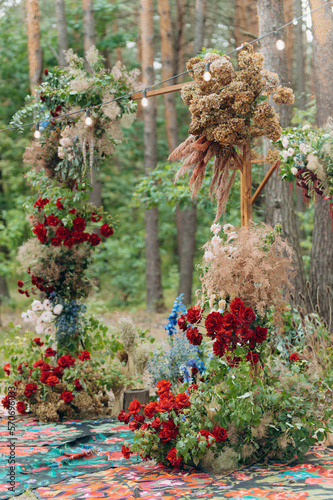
(194, 315)
(260, 334)
(172, 457)
(52, 220)
(20, 284)
(56, 241)
(21, 408)
(106, 230)
(182, 323)
(79, 224)
(46, 72)
(94, 239)
(252, 357)
(67, 396)
(194, 336)
(213, 323)
(219, 433)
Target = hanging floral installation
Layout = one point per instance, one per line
(227, 111)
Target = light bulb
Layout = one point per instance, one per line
(88, 119)
(295, 22)
(280, 45)
(144, 100)
(207, 76)
(37, 132)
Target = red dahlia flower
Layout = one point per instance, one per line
(41, 202)
(94, 239)
(49, 352)
(6, 402)
(67, 396)
(194, 336)
(212, 323)
(163, 386)
(172, 457)
(156, 424)
(192, 388)
(30, 389)
(21, 408)
(106, 230)
(79, 224)
(52, 220)
(62, 232)
(84, 355)
(194, 315)
(219, 433)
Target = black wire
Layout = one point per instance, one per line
(274, 32)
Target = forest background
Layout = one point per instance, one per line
(153, 254)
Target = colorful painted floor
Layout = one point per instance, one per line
(45, 464)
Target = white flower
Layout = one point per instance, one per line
(61, 152)
(47, 305)
(39, 328)
(49, 330)
(215, 228)
(291, 151)
(303, 147)
(58, 309)
(65, 142)
(294, 170)
(227, 228)
(222, 304)
(285, 154)
(285, 142)
(216, 241)
(208, 256)
(28, 316)
(46, 317)
(306, 127)
(37, 305)
(232, 236)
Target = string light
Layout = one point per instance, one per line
(207, 75)
(37, 132)
(280, 45)
(88, 118)
(144, 100)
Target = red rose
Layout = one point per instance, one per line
(41, 232)
(6, 402)
(194, 315)
(69, 243)
(134, 407)
(30, 389)
(219, 433)
(27, 293)
(260, 334)
(73, 211)
(169, 431)
(41, 202)
(106, 230)
(253, 357)
(49, 352)
(246, 315)
(21, 291)
(213, 323)
(52, 220)
(144, 426)
(228, 321)
(57, 371)
(95, 217)
(136, 422)
(84, 355)
(193, 336)
(182, 323)
(219, 348)
(194, 370)
(67, 396)
(166, 403)
(45, 367)
(38, 363)
(94, 239)
(21, 408)
(183, 400)
(172, 457)
(20, 284)
(126, 451)
(156, 424)
(150, 410)
(62, 232)
(77, 385)
(163, 386)
(236, 306)
(7, 368)
(207, 435)
(52, 380)
(46, 72)
(66, 360)
(38, 342)
(79, 224)
(123, 417)
(44, 376)
(56, 241)
(20, 368)
(235, 361)
(58, 204)
(192, 388)
(295, 357)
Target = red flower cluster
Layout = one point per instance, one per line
(294, 357)
(84, 355)
(21, 408)
(227, 330)
(65, 361)
(66, 396)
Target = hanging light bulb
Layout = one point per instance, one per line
(207, 75)
(144, 100)
(37, 132)
(88, 118)
(280, 45)
(295, 22)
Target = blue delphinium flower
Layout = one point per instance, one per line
(69, 322)
(177, 309)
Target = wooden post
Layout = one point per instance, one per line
(246, 190)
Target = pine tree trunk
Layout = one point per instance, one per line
(321, 270)
(34, 48)
(279, 201)
(180, 38)
(88, 26)
(62, 30)
(246, 21)
(290, 37)
(299, 56)
(153, 264)
(199, 27)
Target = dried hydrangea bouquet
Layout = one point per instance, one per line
(227, 111)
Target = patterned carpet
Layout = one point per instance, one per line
(47, 462)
